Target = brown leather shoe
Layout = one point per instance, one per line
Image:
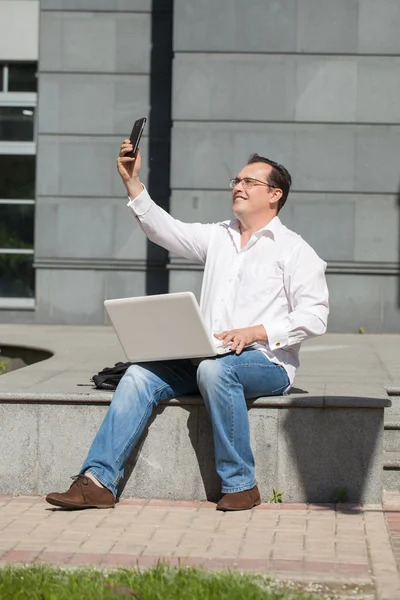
(240, 500)
(83, 493)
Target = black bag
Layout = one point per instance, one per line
(109, 378)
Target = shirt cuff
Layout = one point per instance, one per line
(278, 334)
(141, 204)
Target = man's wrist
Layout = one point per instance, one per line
(134, 188)
(261, 333)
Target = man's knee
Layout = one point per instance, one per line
(212, 372)
(135, 377)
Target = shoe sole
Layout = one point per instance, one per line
(256, 503)
(71, 505)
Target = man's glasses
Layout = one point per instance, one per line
(248, 182)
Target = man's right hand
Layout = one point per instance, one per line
(129, 169)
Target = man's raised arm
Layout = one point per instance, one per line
(189, 240)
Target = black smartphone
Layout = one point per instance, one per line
(136, 135)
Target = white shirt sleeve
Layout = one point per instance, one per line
(308, 297)
(189, 240)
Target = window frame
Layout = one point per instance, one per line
(28, 100)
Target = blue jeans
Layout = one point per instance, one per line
(224, 382)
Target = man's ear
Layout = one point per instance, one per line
(276, 196)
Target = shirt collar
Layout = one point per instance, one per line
(273, 227)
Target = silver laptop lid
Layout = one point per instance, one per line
(162, 327)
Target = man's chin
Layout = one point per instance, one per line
(236, 211)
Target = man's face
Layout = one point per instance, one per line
(255, 200)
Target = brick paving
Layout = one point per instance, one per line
(348, 544)
(295, 540)
(392, 514)
(391, 569)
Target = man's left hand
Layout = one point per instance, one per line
(243, 337)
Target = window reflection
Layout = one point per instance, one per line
(16, 226)
(17, 277)
(22, 77)
(16, 124)
(17, 176)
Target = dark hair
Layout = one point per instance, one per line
(279, 176)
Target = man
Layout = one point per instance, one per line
(264, 292)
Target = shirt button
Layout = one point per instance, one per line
(277, 344)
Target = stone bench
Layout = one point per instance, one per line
(307, 445)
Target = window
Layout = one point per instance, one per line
(18, 101)
(16, 124)
(22, 77)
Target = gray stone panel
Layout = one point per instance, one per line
(87, 228)
(199, 206)
(185, 281)
(91, 104)
(372, 243)
(65, 435)
(123, 284)
(378, 90)
(216, 86)
(379, 25)
(90, 42)
(324, 158)
(327, 227)
(321, 82)
(376, 228)
(206, 156)
(314, 459)
(18, 449)
(27, 317)
(304, 88)
(205, 455)
(169, 467)
(98, 5)
(355, 301)
(264, 443)
(319, 157)
(326, 26)
(343, 26)
(75, 297)
(391, 306)
(82, 166)
(257, 26)
(377, 159)
(368, 301)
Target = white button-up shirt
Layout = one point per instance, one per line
(276, 280)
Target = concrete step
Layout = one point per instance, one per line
(391, 442)
(392, 413)
(391, 436)
(391, 471)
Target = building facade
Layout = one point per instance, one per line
(313, 84)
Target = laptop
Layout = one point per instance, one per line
(162, 327)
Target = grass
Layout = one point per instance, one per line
(159, 583)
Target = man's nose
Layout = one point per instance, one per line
(239, 186)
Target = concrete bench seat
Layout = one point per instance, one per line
(306, 445)
(326, 435)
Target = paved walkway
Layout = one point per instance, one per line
(345, 364)
(314, 543)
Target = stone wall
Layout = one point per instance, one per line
(312, 84)
(94, 82)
